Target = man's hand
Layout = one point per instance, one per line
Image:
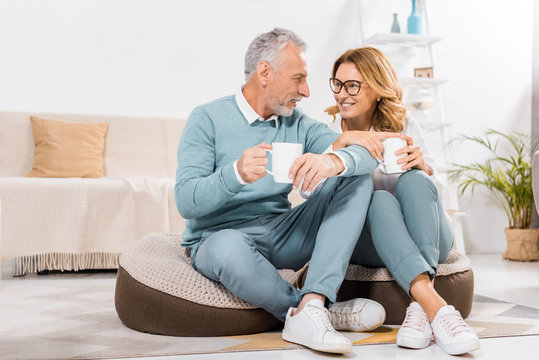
(252, 164)
(314, 168)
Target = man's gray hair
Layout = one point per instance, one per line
(267, 47)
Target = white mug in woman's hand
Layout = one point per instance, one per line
(391, 145)
(282, 158)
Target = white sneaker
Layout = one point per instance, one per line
(357, 315)
(452, 334)
(311, 327)
(415, 331)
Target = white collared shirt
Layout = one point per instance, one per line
(248, 112)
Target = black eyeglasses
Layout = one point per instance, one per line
(350, 86)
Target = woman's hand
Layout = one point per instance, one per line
(414, 159)
(370, 140)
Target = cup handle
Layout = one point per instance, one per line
(267, 171)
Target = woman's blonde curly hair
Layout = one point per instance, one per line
(381, 77)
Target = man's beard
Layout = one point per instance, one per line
(280, 108)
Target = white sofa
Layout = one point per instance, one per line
(75, 223)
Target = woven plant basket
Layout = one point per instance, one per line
(521, 244)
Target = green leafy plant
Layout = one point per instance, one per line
(509, 177)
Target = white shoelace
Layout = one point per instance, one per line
(338, 318)
(343, 315)
(454, 324)
(320, 317)
(415, 319)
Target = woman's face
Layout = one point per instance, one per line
(360, 106)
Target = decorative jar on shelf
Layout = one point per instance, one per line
(395, 27)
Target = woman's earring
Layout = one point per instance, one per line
(378, 99)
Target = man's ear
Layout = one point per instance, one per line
(263, 72)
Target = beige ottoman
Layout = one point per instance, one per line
(158, 292)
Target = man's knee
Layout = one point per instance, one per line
(221, 252)
(381, 201)
(335, 184)
(225, 245)
(361, 184)
(362, 180)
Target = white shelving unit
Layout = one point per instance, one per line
(402, 45)
(409, 82)
(401, 40)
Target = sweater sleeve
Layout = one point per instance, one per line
(319, 137)
(200, 188)
(358, 160)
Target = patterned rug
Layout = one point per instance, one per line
(72, 316)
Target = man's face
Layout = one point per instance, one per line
(288, 83)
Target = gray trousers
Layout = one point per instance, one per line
(324, 230)
(407, 232)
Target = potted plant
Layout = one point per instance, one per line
(509, 177)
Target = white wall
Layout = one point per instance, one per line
(163, 57)
(487, 55)
(152, 57)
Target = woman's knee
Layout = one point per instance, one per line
(414, 182)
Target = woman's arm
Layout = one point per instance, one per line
(370, 140)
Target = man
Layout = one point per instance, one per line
(240, 227)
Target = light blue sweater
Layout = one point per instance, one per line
(207, 192)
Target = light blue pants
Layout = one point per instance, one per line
(407, 232)
(324, 230)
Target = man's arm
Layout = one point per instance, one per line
(200, 188)
(358, 160)
(313, 166)
(318, 137)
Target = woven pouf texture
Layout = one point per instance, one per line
(159, 292)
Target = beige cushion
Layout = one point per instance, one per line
(67, 149)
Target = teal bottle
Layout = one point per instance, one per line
(414, 20)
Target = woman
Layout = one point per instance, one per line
(406, 228)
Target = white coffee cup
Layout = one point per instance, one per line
(391, 145)
(282, 158)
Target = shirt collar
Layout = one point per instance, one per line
(250, 115)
